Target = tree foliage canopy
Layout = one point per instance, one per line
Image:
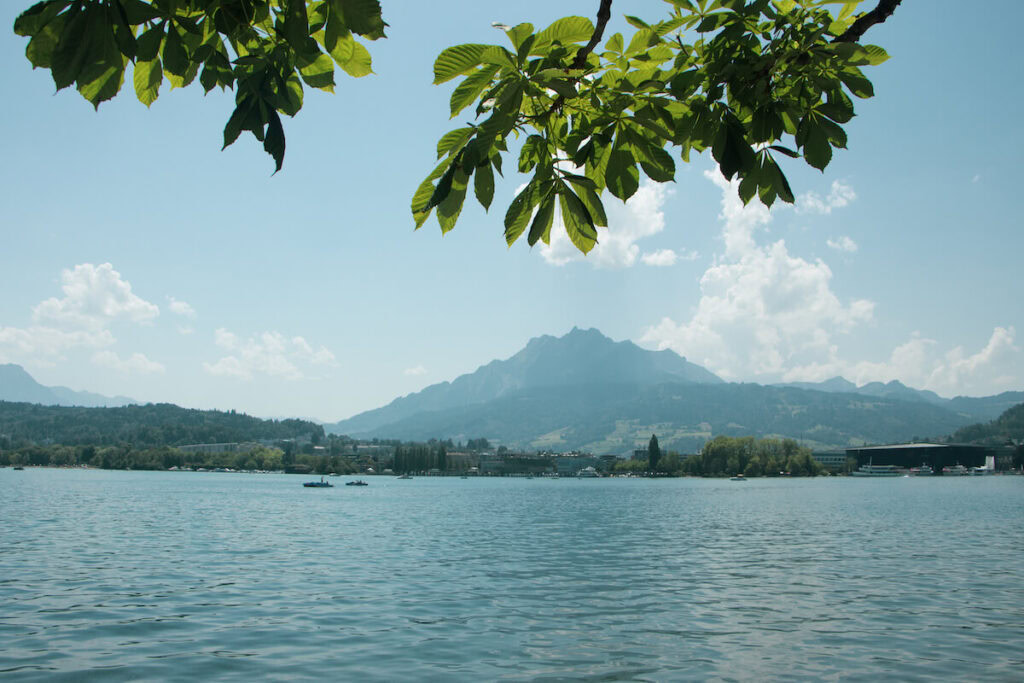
(752, 81)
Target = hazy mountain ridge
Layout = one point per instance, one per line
(583, 390)
(985, 407)
(17, 385)
(581, 357)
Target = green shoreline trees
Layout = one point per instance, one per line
(753, 81)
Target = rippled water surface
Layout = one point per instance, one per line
(127, 576)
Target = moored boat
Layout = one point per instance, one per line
(923, 471)
(871, 470)
(322, 484)
(956, 470)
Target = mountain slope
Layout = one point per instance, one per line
(580, 358)
(615, 418)
(19, 386)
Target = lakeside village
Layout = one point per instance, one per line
(723, 456)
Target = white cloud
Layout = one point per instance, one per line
(181, 308)
(94, 296)
(839, 196)
(642, 216)
(418, 370)
(844, 243)
(920, 363)
(661, 257)
(761, 308)
(269, 353)
(136, 364)
(40, 342)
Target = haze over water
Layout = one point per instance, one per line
(173, 576)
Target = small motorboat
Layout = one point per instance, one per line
(18, 468)
(405, 476)
(357, 482)
(322, 484)
(738, 477)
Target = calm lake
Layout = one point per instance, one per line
(178, 576)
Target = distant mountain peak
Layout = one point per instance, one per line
(17, 385)
(579, 358)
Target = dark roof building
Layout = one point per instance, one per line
(937, 455)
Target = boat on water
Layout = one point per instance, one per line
(357, 482)
(871, 470)
(738, 477)
(956, 470)
(322, 484)
(18, 468)
(405, 476)
(923, 471)
(588, 473)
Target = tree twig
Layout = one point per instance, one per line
(604, 14)
(882, 12)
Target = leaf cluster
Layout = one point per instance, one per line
(263, 49)
(748, 80)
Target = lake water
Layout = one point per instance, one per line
(177, 576)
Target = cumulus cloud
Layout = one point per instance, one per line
(94, 296)
(661, 257)
(761, 308)
(839, 196)
(418, 370)
(919, 362)
(628, 223)
(136, 364)
(269, 353)
(844, 244)
(181, 308)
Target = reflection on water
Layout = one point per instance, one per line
(178, 575)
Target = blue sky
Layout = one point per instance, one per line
(138, 259)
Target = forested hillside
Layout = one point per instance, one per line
(160, 424)
(1007, 427)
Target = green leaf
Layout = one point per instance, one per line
(319, 73)
(71, 49)
(359, 64)
(817, 150)
(296, 24)
(147, 77)
(32, 20)
(273, 144)
(138, 12)
(175, 58)
(147, 47)
(470, 88)
(102, 70)
(622, 177)
(566, 30)
(577, 221)
(41, 48)
(591, 200)
(425, 191)
(448, 210)
(483, 185)
(456, 61)
(454, 139)
(860, 86)
(519, 212)
(517, 34)
(540, 228)
(364, 17)
(731, 149)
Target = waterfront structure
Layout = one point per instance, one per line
(935, 455)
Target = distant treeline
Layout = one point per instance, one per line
(141, 426)
(167, 457)
(729, 456)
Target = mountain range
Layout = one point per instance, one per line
(585, 391)
(16, 385)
